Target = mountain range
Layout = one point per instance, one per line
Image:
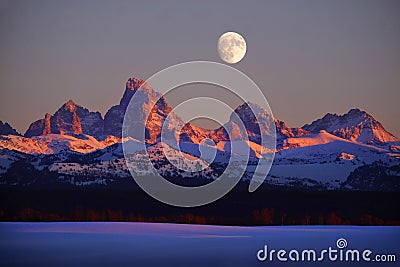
(78, 147)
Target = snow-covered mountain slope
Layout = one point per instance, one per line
(111, 168)
(320, 160)
(242, 148)
(54, 143)
(322, 137)
(356, 125)
(8, 157)
(326, 147)
(222, 151)
(326, 158)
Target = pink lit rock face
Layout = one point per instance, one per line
(356, 125)
(70, 119)
(114, 117)
(73, 119)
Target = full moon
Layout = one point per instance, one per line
(231, 47)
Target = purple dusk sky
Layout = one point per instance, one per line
(308, 57)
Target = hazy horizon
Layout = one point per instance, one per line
(309, 58)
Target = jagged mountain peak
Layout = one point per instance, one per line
(70, 105)
(352, 113)
(356, 111)
(134, 83)
(355, 125)
(146, 102)
(132, 86)
(252, 110)
(69, 119)
(249, 106)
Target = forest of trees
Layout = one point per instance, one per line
(265, 216)
(263, 207)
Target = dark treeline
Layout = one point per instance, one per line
(263, 207)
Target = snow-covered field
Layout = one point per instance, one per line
(5, 162)
(151, 244)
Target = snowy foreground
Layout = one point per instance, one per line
(150, 244)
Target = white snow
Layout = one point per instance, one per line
(318, 158)
(5, 162)
(53, 143)
(328, 172)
